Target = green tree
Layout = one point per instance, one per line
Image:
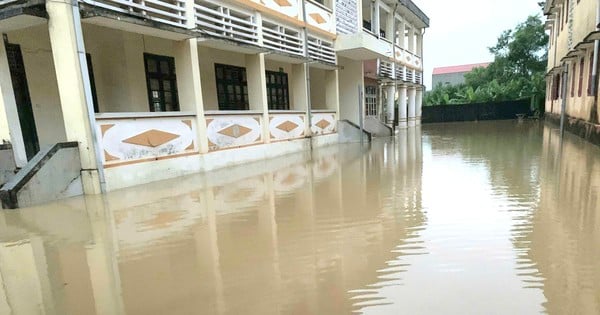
(517, 72)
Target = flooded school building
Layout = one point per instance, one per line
(116, 93)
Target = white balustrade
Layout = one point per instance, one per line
(226, 130)
(170, 12)
(127, 138)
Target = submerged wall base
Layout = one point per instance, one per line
(579, 127)
(141, 173)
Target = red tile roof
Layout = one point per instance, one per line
(459, 69)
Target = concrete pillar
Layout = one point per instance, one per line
(411, 39)
(402, 122)
(190, 87)
(419, 106)
(10, 127)
(391, 102)
(375, 25)
(411, 106)
(71, 90)
(257, 90)
(420, 43)
(299, 87)
(389, 29)
(401, 31)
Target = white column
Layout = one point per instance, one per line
(189, 86)
(402, 123)
(257, 90)
(411, 106)
(401, 31)
(419, 106)
(411, 39)
(73, 101)
(391, 100)
(420, 43)
(10, 127)
(389, 31)
(375, 25)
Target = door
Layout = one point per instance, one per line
(21, 90)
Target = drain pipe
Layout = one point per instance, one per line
(307, 70)
(565, 81)
(395, 65)
(594, 90)
(87, 90)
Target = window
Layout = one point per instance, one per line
(278, 93)
(580, 89)
(232, 87)
(590, 75)
(161, 82)
(573, 69)
(556, 87)
(371, 100)
(88, 59)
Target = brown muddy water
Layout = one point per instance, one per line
(466, 218)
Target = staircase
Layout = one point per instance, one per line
(53, 173)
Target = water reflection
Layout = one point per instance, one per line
(459, 218)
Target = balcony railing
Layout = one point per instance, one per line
(281, 38)
(237, 23)
(320, 49)
(227, 130)
(226, 22)
(126, 138)
(170, 12)
(386, 69)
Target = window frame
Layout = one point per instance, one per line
(161, 78)
(281, 83)
(226, 100)
(88, 59)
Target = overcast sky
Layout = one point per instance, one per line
(461, 30)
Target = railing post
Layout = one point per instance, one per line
(190, 14)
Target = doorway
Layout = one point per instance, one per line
(22, 99)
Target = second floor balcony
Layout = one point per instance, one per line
(267, 25)
(381, 29)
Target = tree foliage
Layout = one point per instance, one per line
(517, 72)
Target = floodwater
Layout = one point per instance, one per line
(464, 218)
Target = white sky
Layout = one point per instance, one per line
(461, 31)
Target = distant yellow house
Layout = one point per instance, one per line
(572, 78)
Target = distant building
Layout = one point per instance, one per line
(572, 74)
(454, 75)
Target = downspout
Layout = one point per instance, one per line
(565, 82)
(307, 70)
(594, 90)
(87, 90)
(395, 67)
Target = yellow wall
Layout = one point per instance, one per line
(208, 57)
(318, 92)
(582, 21)
(41, 78)
(118, 62)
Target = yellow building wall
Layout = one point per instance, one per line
(118, 63)
(41, 78)
(208, 57)
(318, 92)
(584, 20)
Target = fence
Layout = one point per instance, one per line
(474, 112)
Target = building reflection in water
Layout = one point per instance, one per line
(477, 217)
(293, 235)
